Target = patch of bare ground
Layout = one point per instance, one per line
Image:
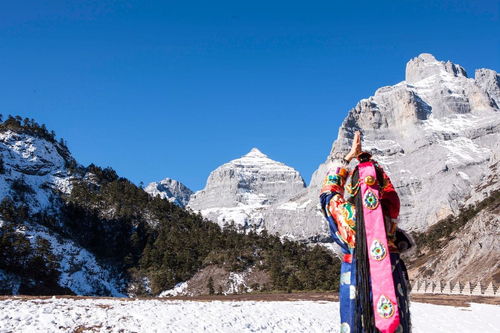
(86, 329)
(222, 283)
(450, 300)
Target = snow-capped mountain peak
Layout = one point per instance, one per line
(255, 153)
(426, 65)
(239, 189)
(170, 189)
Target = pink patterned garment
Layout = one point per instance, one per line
(385, 305)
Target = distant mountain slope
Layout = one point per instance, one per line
(37, 173)
(170, 189)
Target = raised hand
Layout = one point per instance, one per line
(356, 147)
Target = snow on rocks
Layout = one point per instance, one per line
(80, 270)
(119, 315)
(38, 164)
(179, 289)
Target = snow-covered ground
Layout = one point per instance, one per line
(120, 315)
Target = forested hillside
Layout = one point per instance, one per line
(66, 228)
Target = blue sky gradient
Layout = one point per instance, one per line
(160, 89)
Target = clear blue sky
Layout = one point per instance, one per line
(160, 89)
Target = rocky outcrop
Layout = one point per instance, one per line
(489, 81)
(170, 189)
(223, 282)
(425, 66)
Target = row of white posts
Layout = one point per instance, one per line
(437, 287)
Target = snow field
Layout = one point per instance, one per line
(120, 315)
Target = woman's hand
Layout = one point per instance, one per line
(355, 148)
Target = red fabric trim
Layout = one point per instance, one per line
(347, 258)
(332, 188)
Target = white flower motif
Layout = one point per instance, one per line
(345, 278)
(352, 292)
(345, 328)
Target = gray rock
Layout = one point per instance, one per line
(425, 66)
(37, 164)
(489, 81)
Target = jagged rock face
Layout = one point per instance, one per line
(472, 255)
(242, 189)
(436, 134)
(170, 189)
(425, 66)
(489, 81)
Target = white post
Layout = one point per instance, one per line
(414, 286)
(421, 287)
(466, 290)
(447, 288)
(438, 287)
(489, 291)
(429, 289)
(477, 290)
(456, 289)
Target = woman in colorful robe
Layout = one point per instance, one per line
(373, 283)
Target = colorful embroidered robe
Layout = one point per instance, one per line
(341, 217)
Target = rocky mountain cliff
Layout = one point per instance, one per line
(463, 248)
(437, 134)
